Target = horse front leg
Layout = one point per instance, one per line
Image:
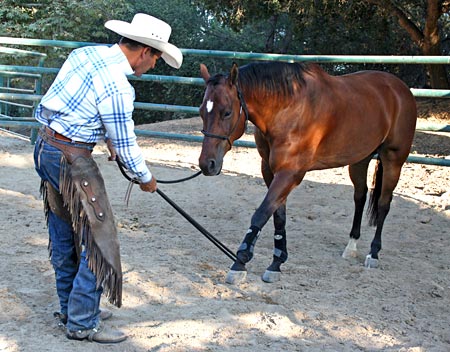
(282, 184)
(280, 253)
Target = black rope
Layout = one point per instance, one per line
(181, 179)
(199, 227)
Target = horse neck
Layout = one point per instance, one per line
(256, 109)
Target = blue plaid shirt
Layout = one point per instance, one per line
(91, 99)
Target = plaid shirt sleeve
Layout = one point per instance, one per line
(116, 111)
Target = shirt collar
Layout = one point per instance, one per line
(124, 64)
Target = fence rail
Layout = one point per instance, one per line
(387, 59)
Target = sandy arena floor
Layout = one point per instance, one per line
(175, 297)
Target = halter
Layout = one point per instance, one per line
(243, 107)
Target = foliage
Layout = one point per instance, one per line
(59, 19)
(70, 20)
(360, 27)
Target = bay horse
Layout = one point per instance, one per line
(306, 119)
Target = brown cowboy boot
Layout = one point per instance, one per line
(100, 334)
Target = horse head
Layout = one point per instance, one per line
(224, 116)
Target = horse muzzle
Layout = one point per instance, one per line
(210, 167)
(211, 156)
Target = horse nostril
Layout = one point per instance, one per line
(211, 165)
(208, 166)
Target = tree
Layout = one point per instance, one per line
(354, 27)
(425, 33)
(83, 21)
(59, 20)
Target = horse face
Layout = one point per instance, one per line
(220, 112)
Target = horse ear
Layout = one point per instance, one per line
(234, 73)
(204, 72)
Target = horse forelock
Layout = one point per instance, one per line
(273, 78)
(216, 79)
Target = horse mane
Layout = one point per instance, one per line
(273, 78)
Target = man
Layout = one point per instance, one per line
(91, 99)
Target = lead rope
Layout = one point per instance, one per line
(209, 236)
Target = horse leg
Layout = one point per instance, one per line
(280, 187)
(280, 254)
(386, 179)
(273, 272)
(238, 271)
(358, 176)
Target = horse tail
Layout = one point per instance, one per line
(372, 210)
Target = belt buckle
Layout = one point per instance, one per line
(51, 132)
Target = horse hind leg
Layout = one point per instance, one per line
(358, 176)
(386, 178)
(280, 254)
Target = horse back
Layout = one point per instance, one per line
(340, 120)
(396, 105)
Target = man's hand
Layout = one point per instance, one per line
(150, 186)
(112, 151)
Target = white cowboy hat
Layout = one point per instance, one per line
(150, 31)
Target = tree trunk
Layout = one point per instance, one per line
(286, 41)
(432, 45)
(438, 73)
(428, 40)
(270, 39)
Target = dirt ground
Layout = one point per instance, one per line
(175, 297)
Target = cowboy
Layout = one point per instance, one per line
(91, 99)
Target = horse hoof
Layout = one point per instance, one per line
(350, 250)
(349, 253)
(235, 277)
(271, 276)
(370, 263)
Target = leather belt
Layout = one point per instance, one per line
(60, 137)
(72, 150)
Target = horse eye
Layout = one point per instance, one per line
(227, 114)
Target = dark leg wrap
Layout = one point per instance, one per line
(280, 254)
(245, 251)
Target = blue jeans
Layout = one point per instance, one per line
(76, 284)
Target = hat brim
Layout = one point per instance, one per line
(170, 53)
